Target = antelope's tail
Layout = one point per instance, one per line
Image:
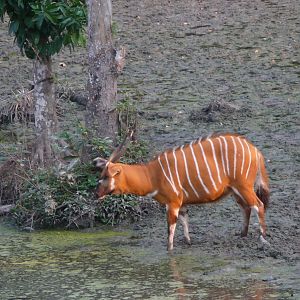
(262, 182)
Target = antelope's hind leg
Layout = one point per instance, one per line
(246, 210)
(249, 197)
(260, 211)
(183, 218)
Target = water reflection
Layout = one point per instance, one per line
(109, 265)
(207, 285)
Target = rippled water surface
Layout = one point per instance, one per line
(111, 265)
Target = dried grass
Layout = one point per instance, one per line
(18, 109)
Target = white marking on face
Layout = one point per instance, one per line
(187, 172)
(168, 179)
(198, 171)
(207, 166)
(100, 181)
(177, 175)
(226, 154)
(243, 151)
(215, 159)
(234, 156)
(112, 184)
(222, 155)
(152, 194)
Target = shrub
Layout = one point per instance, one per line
(48, 199)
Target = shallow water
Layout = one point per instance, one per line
(112, 264)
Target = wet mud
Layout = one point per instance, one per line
(195, 67)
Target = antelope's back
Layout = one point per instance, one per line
(202, 170)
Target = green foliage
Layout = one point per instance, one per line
(78, 139)
(115, 209)
(137, 151)
(127, 113)
(66, 197)
(102, 146)
(42, 28)
(49, 199)
(114, 28)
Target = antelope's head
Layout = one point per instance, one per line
(112, 177)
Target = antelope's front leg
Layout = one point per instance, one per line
(172, 216)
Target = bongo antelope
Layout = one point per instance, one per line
(205, 170)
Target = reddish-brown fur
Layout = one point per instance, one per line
(200, 172)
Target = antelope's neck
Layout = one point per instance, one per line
(139, 180)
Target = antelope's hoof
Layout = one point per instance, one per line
(189, 242)
(264, 241)
(244, 234)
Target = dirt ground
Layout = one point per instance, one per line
(182, 57)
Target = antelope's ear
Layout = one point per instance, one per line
(116, 172)
(99, 163)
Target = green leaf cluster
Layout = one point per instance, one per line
(42, 28)
(48, 199)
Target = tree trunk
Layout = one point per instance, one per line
(45, 112)
(104, 66)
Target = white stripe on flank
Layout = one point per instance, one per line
(243, 160)
(222, 155)
(234, 156)
(226, 151)
(177, 175)
(207, 166)
(215, 159)
(187, 172)
(171, 177)
(249, 159)
(197, 168)
(168, 179)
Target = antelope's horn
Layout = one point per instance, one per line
(120, 150)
